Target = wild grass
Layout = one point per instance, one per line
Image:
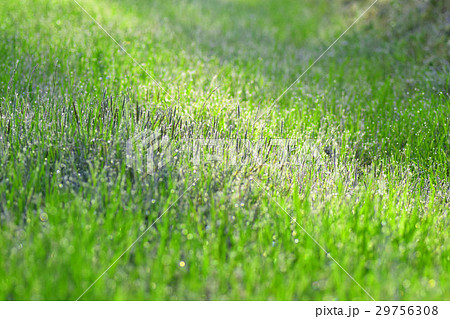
(371, 181)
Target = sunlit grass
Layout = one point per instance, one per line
(371, 120)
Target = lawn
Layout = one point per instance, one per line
(356, 209)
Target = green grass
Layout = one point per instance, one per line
(371, 119)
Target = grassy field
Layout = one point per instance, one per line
(370, 184)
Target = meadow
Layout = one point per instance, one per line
(360, 214)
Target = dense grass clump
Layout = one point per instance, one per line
(367, 176)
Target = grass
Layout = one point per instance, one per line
(371, 120)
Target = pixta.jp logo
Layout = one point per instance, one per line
(150, 151)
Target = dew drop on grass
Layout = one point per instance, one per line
(43, 217)
(406, 283)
